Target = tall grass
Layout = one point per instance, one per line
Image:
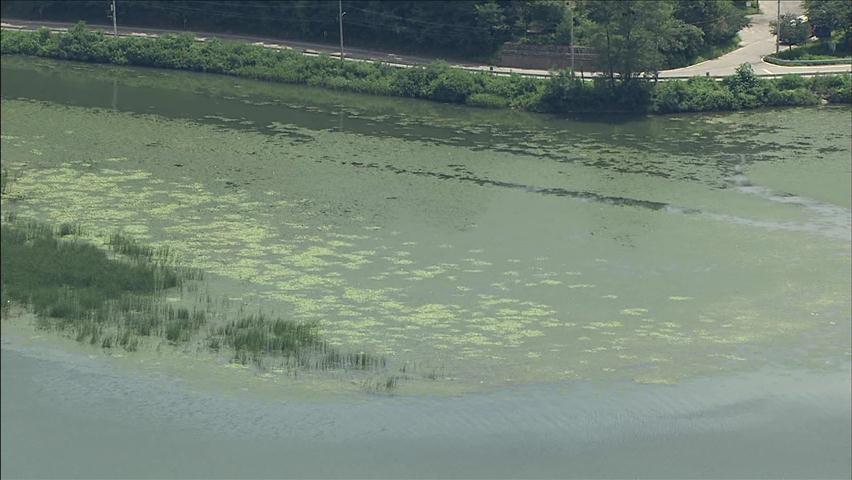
(76, 287)
(255, 336)
(118, 300)
(6, 181)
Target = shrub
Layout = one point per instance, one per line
(798, 97)
(834, 88)
(487, 100)
(791, 82)
(438, 81)
(448, 84)
(670, 97)
(743, 80)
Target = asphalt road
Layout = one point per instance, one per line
(756, 42)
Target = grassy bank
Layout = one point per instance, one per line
(813, 53)
(437, 82)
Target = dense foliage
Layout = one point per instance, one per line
(831, 18)
(792, 29)
(632, 35)
(815, 52)
(438, 82)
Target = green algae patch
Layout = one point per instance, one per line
(414, 261)
(125, 300)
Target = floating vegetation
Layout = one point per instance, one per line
(162, 256)
(290, 244)
(5, 181)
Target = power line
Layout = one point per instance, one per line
(458, 35)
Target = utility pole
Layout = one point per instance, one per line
(114, 21)
(340, 14)
(778, 28)
(571, 9)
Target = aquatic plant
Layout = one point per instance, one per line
(381, 384)
(77, 288)
(298, 344)
(5, 180)
(162, 256)
(74, 286)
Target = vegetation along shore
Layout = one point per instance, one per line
(116, 298)
(562, 92)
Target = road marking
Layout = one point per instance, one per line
(766, 71)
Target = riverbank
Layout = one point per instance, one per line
(561, 93)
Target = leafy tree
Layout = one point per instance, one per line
(628, 35)
(683, 44)
(719, 20)
(473, 28)
(792, 30)
(828, 16)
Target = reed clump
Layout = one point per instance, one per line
(115, 298)
(75, 287)
(297, 344)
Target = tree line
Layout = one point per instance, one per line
(631, 37)
(562, 92)
(631, 33)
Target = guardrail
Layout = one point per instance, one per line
(806, 63)
(493, 70)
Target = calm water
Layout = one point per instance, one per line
(608, 297)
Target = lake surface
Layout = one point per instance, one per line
(618, 296)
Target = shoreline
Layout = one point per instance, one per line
(438, 82)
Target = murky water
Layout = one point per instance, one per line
(542, 263)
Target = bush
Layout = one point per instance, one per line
(487, 100)
(698, 94)
(834, 88)
(670, 97)
(560, 93)
(791, 82)
(446, 84)
(743, 80)
(800, 97)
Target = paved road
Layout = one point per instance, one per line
(756, 42)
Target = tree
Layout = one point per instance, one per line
(828, 16)
(682, 44)
(793, 30)
(629, 35)
(720, 20)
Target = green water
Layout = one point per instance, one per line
(483, 248)
(664, 297)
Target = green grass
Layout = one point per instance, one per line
(815, 51)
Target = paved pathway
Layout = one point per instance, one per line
(756, 43)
